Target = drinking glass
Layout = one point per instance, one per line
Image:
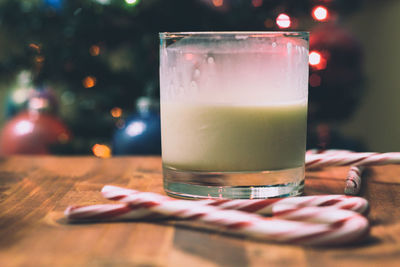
(233, 113)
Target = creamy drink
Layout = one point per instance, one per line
(233, 113)
(233, 138)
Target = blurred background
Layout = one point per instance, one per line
(81, 76)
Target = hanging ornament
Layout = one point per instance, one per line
(32, 132)
(141, 132)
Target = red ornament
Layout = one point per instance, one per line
(32, 133)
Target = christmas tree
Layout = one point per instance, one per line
(100, 56)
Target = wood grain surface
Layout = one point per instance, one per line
(34, 191)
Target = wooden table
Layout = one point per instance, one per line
(34, 191)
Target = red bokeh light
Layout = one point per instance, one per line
(218, 3)
(320, 13)
(316, 60)
(283, 21)
(315, 80)
(257, 3)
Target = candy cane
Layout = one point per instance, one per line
(328, 151)
(353, 180)
(110, 212)
(260, 206)
(120, 212)
(354, 159)
(345, 228)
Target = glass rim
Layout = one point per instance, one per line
(166, 35)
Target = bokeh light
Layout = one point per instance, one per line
(257, 3)
(24, 127)
(19, 96)
(218, 3)
(89, 82)
(39, 59)
(314, 58)
(315, 80)
(136, 128)
(320, 13)
(35, 47)
(101, 151)
(132, 2)
(283, 21)
(36, 103)
(94, 50)
(116, 112)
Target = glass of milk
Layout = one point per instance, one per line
(233, 113)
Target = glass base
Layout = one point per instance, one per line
(234, 185)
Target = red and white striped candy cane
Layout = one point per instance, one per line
(121, 212)
(328, 151)
(110, 212)
(354, 159)
(344, 230)
(353, 180)
(260, 206)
